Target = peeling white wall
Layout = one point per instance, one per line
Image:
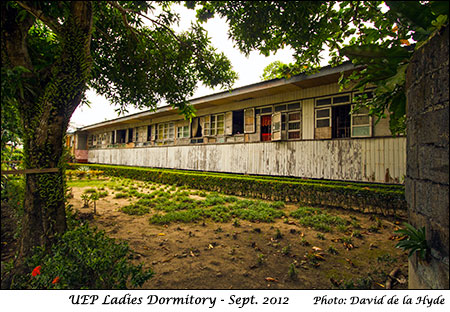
(347, 159)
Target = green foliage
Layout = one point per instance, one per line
(83, 259)
(377, 198)
(320, 221)
(362, 31)
(416, 241)
(135, 209)
(292, 272)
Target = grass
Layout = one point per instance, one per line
(135, 210)
(318, 220)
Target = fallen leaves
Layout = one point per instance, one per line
(271, 279)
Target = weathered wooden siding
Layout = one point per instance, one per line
(349, 159)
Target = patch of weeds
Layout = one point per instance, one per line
(304, 242)
(90, 191)
(121, 195)
(357, 234)
(312, 217)
(102, 194)
(386, 258)
(192, 215)
(230, 199)
(256, 211)
(342, 228)
(311, 259)
(135, 210)
(355, 224)
(373, 229)
(212, 200)
(320, 236)
(220, 213)
(304, 211)
(359, 283)
(236, 223)
(332, 250)
(346, 240)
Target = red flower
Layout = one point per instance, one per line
(36, 271)
(56, 280)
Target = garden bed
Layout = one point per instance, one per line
(197, 239)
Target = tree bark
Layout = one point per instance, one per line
(45, 114)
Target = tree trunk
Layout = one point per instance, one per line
(45, 111)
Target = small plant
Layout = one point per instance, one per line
(286, 250)
(416, 241)
(260, 259)
(86, 200)
(292, 272)
(94, 197)
(236, 223)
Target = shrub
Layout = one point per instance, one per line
(83, 258)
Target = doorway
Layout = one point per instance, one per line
(266, 128)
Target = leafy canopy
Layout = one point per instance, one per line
(137, 58)
(378, 38)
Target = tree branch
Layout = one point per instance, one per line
(124, 12)
(50, 22)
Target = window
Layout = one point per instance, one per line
(323, 117)
(113, 135)
(293, 106)
(130, 135)
(266, 110)
(361, 124)
(183, 131)
(293, 125)
(214, 125)
(361, 121)
(238, 122)
(333, 118)
(121, 136)
(149, 133)
(165, 131)
(280, 108)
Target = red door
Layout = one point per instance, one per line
(266, 131)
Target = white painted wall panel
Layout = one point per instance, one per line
(353, 159)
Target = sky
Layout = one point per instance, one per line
(248, 68)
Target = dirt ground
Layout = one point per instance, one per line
(255, 255)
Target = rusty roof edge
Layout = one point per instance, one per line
(277, 82)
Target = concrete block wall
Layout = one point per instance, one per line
(427, 150)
